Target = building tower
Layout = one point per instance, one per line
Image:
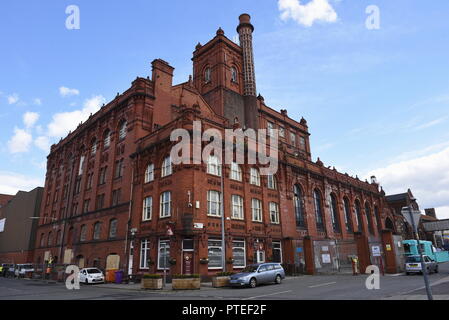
(245, 30)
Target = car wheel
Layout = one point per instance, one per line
(86, 281)
(407, 273)
(436, 269)
(278, 279)
(253, 283)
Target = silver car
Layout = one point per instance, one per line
(413, 264)
(256, 274)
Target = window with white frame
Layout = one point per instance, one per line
(122, 130)
(302, 143)
(256, 208)
(166, 167)
(271, 182)
(147, 208)
(213, 203)
(81, 167)
(165, 205)
(149, 173)
(93, 150)
(144, 253)
(239, 253)
(163, 261)
(237, 207)
(214, 166)
(236, 172)
(214, 254)
(274, 212)
(254, 177)
(233, 74)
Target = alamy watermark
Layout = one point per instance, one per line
(235, 143)
(72, 282)
(373, 280)
(72, 22)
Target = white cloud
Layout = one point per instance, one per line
(67, 92)
(37, 101)
(307, 14)
(427, 176)
(30, 119)
(64, 122)
(11, 183)
(20, 142)
(431, 123)
(42, 143)
(13, 98)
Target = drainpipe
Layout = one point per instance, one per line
(129, 221)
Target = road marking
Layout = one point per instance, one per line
(267, 295)
(322, 285)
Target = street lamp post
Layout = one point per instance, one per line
(423, 265)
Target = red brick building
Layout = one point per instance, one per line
(111, 190)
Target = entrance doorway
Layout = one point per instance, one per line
(187, 256)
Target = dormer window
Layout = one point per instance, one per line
(233, 74)
(207, 75)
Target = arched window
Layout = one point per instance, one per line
(113, 228)
(254, 177)
(299, 212)
(214, 166)
(369, 218)
(42, 240)
(318, 210)
(358, 216)
(207, 75)
(166, 167)
(348, 217)
(233, 74)
(236, 172)
(58, 238)
(107, 139)
(149, 173)
(83, 233)
(97, 231)
(334, 213)
(389, 224)
(272, 184)
(122, 130)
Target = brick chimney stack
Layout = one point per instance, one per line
(245, 30)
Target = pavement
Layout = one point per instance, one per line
(318, 287)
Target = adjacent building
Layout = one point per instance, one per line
(19, 218)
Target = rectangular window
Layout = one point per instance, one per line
(113, 228)
(164, 255)
(116, 196)
(277, 251)
(271, 182)
(214, 254)
(166, 167)
(237, 207)
(147, 208)
(302, 143)
(274, 213)
(270, 127)
(86, 206)
(165, 205)
(89, 181)
(149, 174)
(236, 172)
(118, 168)
(100, 202)
(80, 169)
(214, 166)
(213, 203)
(293, 139)
(239, 253)
(282, 132)
(254, 177)
(144, 253)
(102, 179)
(256, 210)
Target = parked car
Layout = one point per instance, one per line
(24, 270)
(8, 270)
(413, 264)
(91, 275)
(256, 274)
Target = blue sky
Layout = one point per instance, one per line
(375, 100)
